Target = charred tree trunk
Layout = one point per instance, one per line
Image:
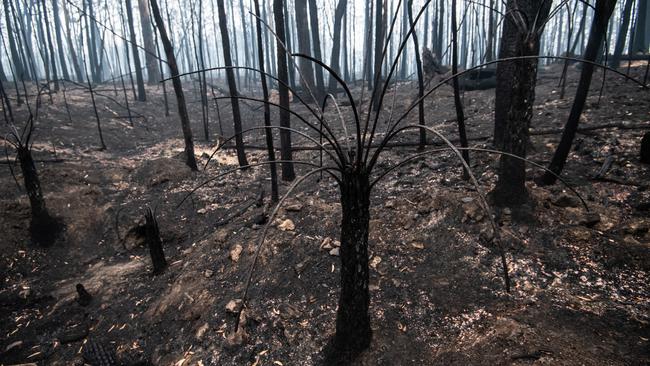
(152, 235)
(622, 35)
(418, 64)
(136, 54)
(489, 49)
(642, 28)
(50, 46)
(178, 87)
(232, 85)
(315, 42)
(267, 108)
(353, 332)
(288, 173)
(515, 95)
(59, 40)
(304, 45)
(604, 9)
(336, 46)
(460, 114)
(19, 67)
(644, 155)
(379, 43)
(44, 229)
(153, 72)
(73, 54)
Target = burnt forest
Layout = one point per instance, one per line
(324, 182)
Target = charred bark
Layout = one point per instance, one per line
(604, 9)
(153, 72)
(232, 85)
(178, 87)
(515, 95)
(288, 173)
(267, 108)
(353, 332)
(142, 96)
(154, 242)
(43, 228)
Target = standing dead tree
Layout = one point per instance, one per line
(604, 9)
(178, 87)
(515, 94)
(232, 85)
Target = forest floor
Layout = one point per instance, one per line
(581, 285)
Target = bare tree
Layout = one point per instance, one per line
(142, 96)
(515, 95)
(178, 86)
(153, 72)
(267, 108)
(288, 173)
(336, 45)
(232, 85)
(603, 12)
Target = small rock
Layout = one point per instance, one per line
(466, 199)
(375, 261)
(235, 253)
(373, 287)
(335, 252)
(287, 225)
(293, 208)
(201, 211)
(326, 244)
(417, 245)
(221, 236)
(565, 200)
(201, 331)
(390, 204)
(233, 306)
(590, 219)
(507, 211)
(208, 273)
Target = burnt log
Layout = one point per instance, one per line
(154, 243)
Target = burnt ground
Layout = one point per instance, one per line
(580, 295)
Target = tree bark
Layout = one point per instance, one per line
(50, 46)
(642, 28)
(267, 109)
(288, 173)
(153, 72)
(460, 114)
(418, 64)
(515, 95)
(379, 43)
(603, 12)
(142, 96)
(178, 87)
(304, 45)
(232, 85)
(353, 332)
(19, 67)
(622, 35)
(59, 39)
(315, 41)
(43, 228)
(336, 46)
